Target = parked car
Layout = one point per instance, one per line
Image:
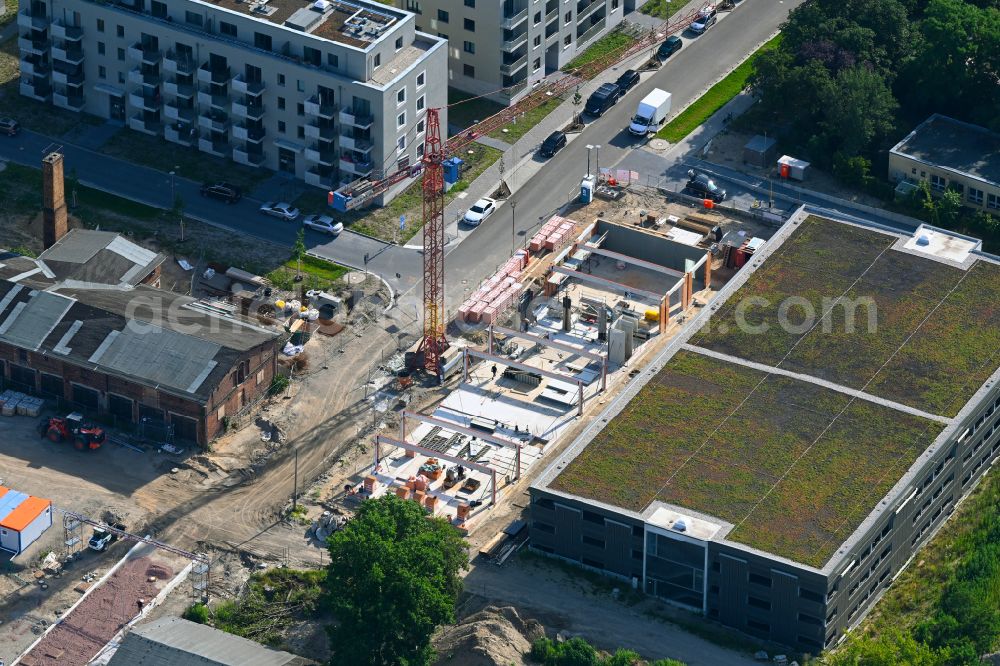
(602, 99)
(627, 81)
(280, 209)
(705, 20)
(101, 539)
(9, 126)
(704, 186)
(480, 210)
(221, 191)
(670, 46)
(323, 223)
(553, 144)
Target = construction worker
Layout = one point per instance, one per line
(494, 370)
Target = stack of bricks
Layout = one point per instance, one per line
(496, 294)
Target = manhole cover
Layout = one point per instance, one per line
(659, 144)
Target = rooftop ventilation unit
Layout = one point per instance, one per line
(680, 525)
(923, 240)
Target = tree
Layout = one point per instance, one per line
(894, 649)
(577, 100)
(858, 109)
(298, 250)
(393, 578)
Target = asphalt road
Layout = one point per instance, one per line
(701, 61)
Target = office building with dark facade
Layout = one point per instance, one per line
(774, 470)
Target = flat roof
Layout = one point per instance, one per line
(790, 435)
(955, 145)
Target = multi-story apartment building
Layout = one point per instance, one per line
(498, 49)
(330, 91)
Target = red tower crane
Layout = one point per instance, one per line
(434, 341)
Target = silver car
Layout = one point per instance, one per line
(323, 223)
(280, 209)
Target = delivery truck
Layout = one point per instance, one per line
(651, 114)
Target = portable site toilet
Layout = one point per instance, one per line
(23, 519)
(587, 189)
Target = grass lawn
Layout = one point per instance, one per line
(384, 222)
(10, 14)
(714, 99)
(317, 274)
(524, 123)
(468, 113)
(613, 41)
(189, 162)
(663, 9)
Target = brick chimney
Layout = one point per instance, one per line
(54, 219)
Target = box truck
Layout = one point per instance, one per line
(651, 114)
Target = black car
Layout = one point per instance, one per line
(552, 144)
(670, 46)
(9, 126)
(704, 186)
(602, 99)
(627, 81)
(221, 191)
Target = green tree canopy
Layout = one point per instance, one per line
(393, 578)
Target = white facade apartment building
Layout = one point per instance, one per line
(330, 91)
(498, 48)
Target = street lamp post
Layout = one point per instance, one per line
(589, 148)
(173, 194)
(597, 162)
(513, 227)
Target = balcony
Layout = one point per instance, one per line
(25, 19)
(41, 90)
(510, 22)
(358, 145)
(147, 102)
(355, 118)
(28, 45)
(177, 64)
(315, 177)
(241, 109)
(67, 78)
(317, 154)
(510, 68)
(591, 32)
(214, 123)
(178, 113)
(315, 107)
(206, 75)
(144, 79)
(30, 68)
(178, 133)
(66, 32)
(360, 169)
(180, 90)
(145, 54)
(252, 88)
(71, 53)
(551, 11)
(150, 127)
(249, 134)
(586, 7)
(70, 103)
(520, 40)
(322, 133)
(220, 102)
(217, 147)
(248, 158)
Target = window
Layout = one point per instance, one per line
(262, 41)
(159, 9)
(401, 119)
(401, 144)
(614, 5)
(754, 602)
(100, 48)
(469, 25)
(281, 126)
(413, 6)
(469, 70)
(300, 109)
(759, 626)
(442, 16)
(810, 595)
(100, 25)
(120, 31)
(227, 29)
(993, 201)
(121, 54)
(543, 527)
(592, 563)
(194, 18)
(281, 102)
(420, 150)
(420, 127)
(937, 182)
(301, 87)
(301, 132)
(420, 103)
(399, 43)
(281, 80)
(102, 72)
(400, 95)
(567, 40)
(591, 541)
(421, 79)
(469, 47)
(332, 60)
(975, 196)
(568, 18)
(595, 518)
(810, 619)
(470, 3)
(538, 41)
(377, 61)
(757, 579)
(121, 77)
(312, 56)
(535, 66)
(537, 18)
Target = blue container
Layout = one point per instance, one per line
(452, 169)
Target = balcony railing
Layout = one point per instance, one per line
(315, 177)
(214, 123)
(71, 53)
(25, 19)
(586, 7)
(357, 119)
(319, 155)
(41, 91)
(316, 107)
(71, 103)
(139, 124)
(207, 75)
(510, 68)
(179, 133)
(148, 102)
(355, 167)
(241, 109)
(182, 90)
(515, 20)
(518, 41)
(322, 133)
(66, 32)
(145, 54)
(67, 78)
(591, 32)
(248, 134)
(221, 102)
(178, 113)
(249, 158)
(215, 147)
(357, 145)
(252, 88)
(28, 45)
(177, 64)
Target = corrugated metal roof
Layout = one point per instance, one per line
(11, 501)
(173, 641)
(79, 246)
(25, 512)
(159, 356)
(100, 257)
(30, 322)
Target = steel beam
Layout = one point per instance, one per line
(618, 256)
(607, 284)
(455, 427)
(555, 344)
(392, 441)
(530, 368)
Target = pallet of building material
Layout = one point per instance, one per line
(10, 407)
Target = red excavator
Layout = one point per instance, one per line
(85, 436)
